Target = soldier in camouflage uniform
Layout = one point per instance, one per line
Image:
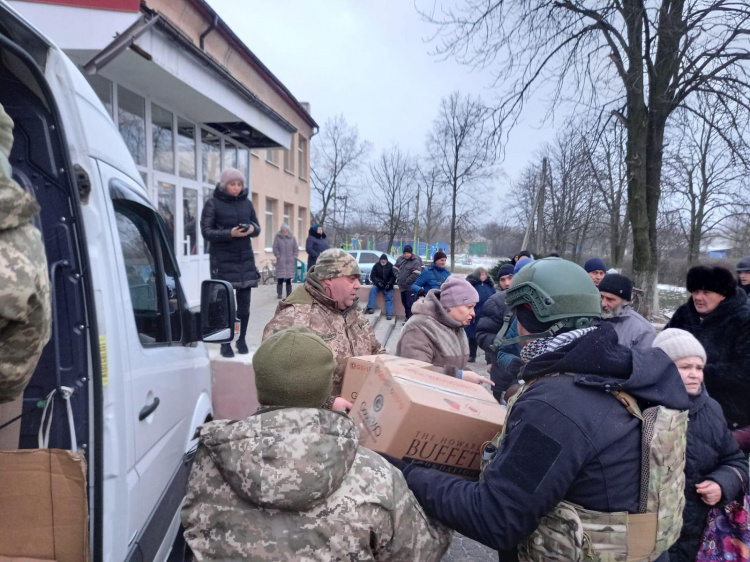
(327, 304)
(567, 479)
(25, 311)
(290, 482)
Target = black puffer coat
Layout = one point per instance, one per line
(316, 244)
(493, 314)
(711, 451)
(725, 334)
(383, 275)
(231, 258)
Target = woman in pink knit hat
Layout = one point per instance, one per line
(227, 223)
(435, 332)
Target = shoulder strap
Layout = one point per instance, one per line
(439, 282)
(630, 403)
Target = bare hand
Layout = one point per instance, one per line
(237, 232)
(471, 376)
(341, 405)
(709, 491)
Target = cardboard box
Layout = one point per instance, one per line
(359, 368)
(43, 505)
(426, 417)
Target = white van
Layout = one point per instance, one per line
(123, 337)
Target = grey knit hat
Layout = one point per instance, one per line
(231, 174)
(678, 343)
(294, 367)
(456, 291)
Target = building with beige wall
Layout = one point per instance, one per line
(190, 99)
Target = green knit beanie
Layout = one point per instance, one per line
(294, 367)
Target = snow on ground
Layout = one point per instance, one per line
(673, 288)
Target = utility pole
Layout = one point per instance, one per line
(537, 195)
(416, 225)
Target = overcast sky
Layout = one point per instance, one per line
(371, 62)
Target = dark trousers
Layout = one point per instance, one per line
(472, 347)
(243, 310)
(280, 283)
(407, 299)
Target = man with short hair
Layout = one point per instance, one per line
(505, 276)
(596, 268)
(633, 330)
(327, 304)
(433, 276)
(383, 278)
(291, 483)
(409, 266)
(718, 315)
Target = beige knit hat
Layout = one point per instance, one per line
(231, 174)
(678, 343)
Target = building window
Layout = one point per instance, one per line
(162, 133)
(288, 210)
(131, 118)
(186, 148)
(302, 153)
(272, 156)
(243, 164)
(230, 156)
(287, 161)
(301, 214)
(167, 206)
(255, 153)
(211, 152)
(189, 220)
(270, 231)
(102, 88)
(207, 194)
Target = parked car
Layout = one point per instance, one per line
(123, 337)
(366, 259)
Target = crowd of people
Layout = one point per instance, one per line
(592, 391)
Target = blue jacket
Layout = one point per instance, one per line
(567, 438)
(485, 289)
(431, 277)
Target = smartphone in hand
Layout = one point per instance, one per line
(244, 227)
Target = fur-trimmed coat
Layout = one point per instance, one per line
(431, 335)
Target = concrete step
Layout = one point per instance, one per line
(395, 336)
(373, 318)
(383, 329)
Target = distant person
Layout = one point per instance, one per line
(715, 468)
(316, 244)
(433, 276)
(285, 250)
(435, 332)
(596, 268)
(228, 221)
(718, 315)
(743, 274)
(408, 266)
(633, 330)
(553, 255)
(482, 283)
(519, 255)
(383, 277)
(505, 276)
(327, 304)
(291, 483)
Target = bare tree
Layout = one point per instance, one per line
(392, 175)
(705, 179)
(638, 59)
(461, 148)
(433, 201)
(337, 156)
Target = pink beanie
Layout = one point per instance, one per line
(456, 291)
(231, 174)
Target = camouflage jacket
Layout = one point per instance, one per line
(347, 332)
(292, 484)
(25, 310)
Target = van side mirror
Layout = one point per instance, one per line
(217, 311)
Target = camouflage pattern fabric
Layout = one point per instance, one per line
(292, 484)
(335, 263)
(346, 332)
(25, 310)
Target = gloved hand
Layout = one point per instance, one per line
(421, 293)
(388, 287)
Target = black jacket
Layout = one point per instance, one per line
(231, 258)
(711, 451)
(493, 314)
(316, 244)
(383, 275)
(725, 334)
(566, 438)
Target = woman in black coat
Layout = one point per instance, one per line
(227, 223)
(715, 468)
(316, 244)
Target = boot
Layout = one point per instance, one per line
(241, 345)
(288, 288)
(226, 350)
(278, 290)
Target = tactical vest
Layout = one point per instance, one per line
(572, 533)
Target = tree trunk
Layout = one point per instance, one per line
(453, 226)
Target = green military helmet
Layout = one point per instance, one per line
(558, 291)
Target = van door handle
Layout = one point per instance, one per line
(147, 410)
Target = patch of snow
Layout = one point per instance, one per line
(672, 288)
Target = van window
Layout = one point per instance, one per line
(151, 276)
